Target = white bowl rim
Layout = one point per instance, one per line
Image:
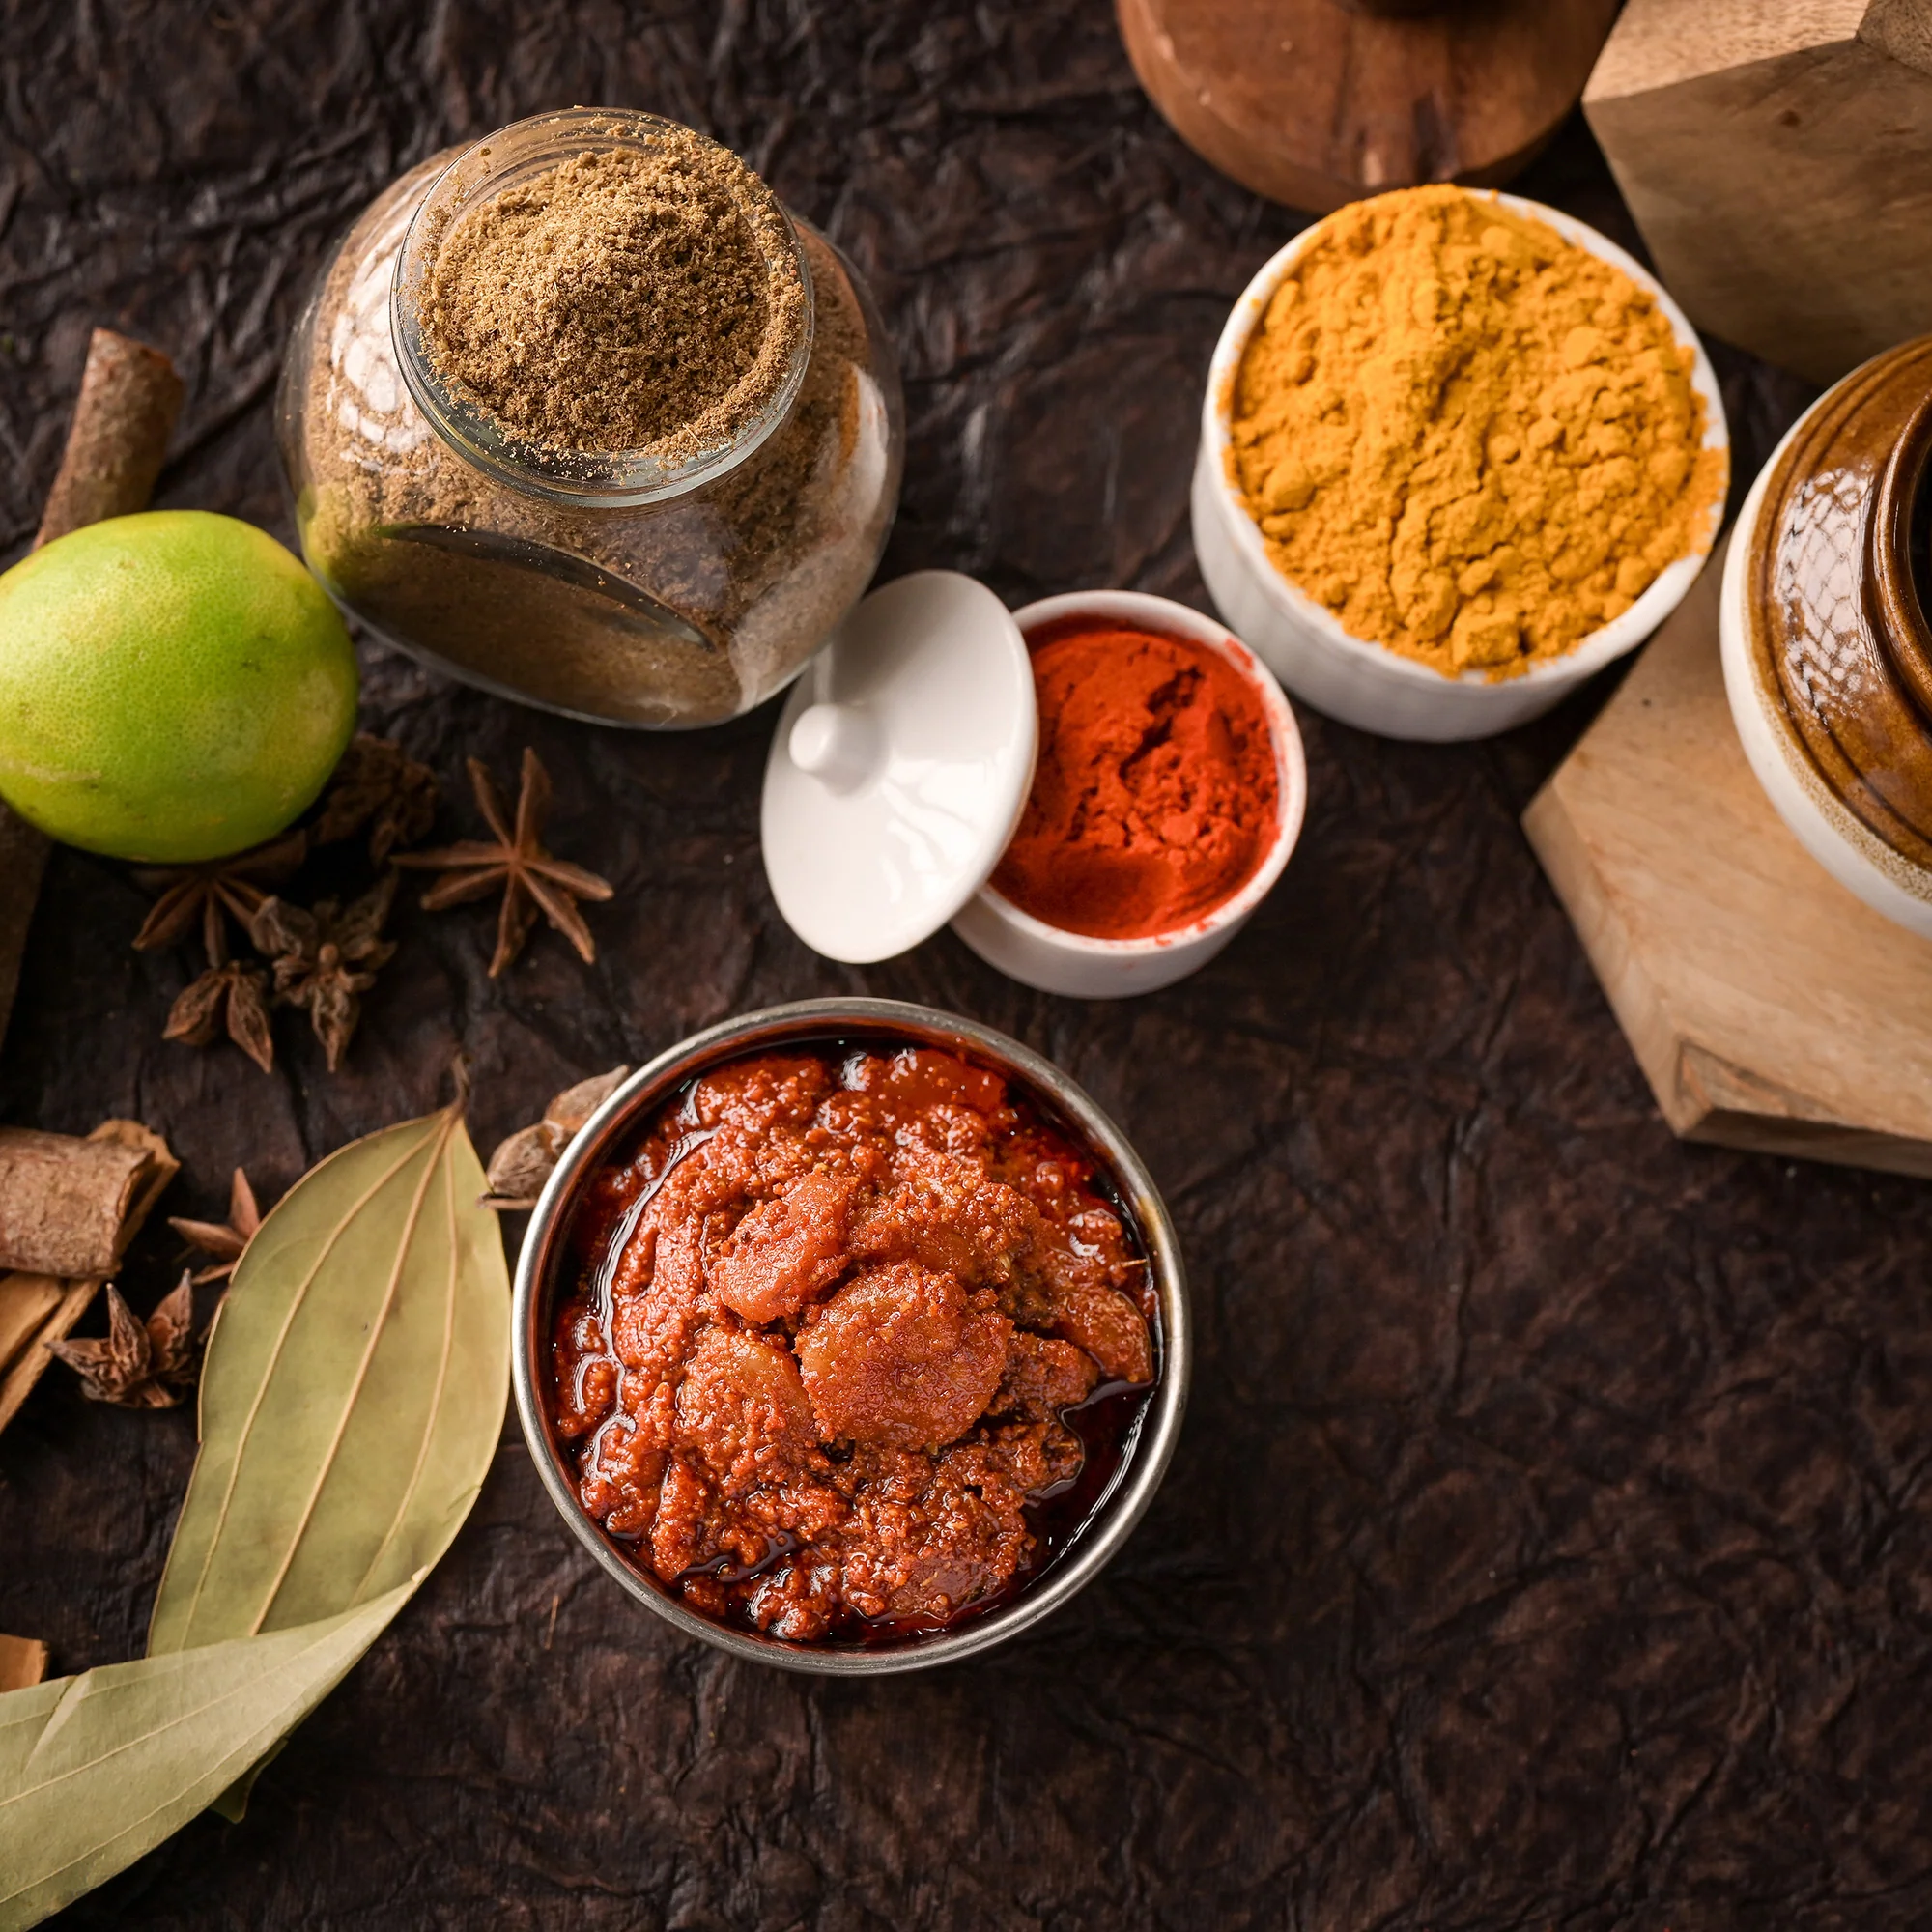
(1291, 764)
(1596, 647)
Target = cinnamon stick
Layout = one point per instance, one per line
(129, 397)
(17, 1381)
(23, 1662)
(26, 1301)
(64, 1201)
(68, 1209)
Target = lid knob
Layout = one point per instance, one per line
(838, 744)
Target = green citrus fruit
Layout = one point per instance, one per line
(173, 686)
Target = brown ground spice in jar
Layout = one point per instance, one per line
(619, 300)
(503, 583)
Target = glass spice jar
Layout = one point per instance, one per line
(1827, 644)
(625, 588)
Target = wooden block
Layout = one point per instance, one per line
(1767, 1008)
(1314, 103)
(1778, 156)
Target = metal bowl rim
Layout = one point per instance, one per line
(1145, 1464)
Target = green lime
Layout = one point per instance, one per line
(173, 686)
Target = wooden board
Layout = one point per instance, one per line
(1768, 1006)
(1314, 102)
(1778, 156)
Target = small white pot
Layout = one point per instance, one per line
(1042, 956)
(1854, 855)
(1364, 684)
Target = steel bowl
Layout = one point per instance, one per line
(1145, 1456)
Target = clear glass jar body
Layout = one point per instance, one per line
(675, 606)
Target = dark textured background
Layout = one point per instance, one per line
(1548, 1543)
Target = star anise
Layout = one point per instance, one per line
(530, 878)
(225, 1240)
(328, 958)
(138, 1365)
(213, 893)
(522, 1163)
(228, 993)
(380, 785)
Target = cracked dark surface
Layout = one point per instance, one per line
(1548, 1543)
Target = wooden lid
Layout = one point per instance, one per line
(1316, 102)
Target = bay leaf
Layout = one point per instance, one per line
(98, 1768)
(352, 1392)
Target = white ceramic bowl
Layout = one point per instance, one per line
(1854, 855)
(1042, 956)
(1364, 684)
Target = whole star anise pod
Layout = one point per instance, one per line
(326, 960)
(213, 893)
(227, 992)
(227, 1241)
(530, 879)
(136, 1364)
(380, 785)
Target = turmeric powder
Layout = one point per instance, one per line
(1472, 440)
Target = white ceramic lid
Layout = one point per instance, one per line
(900, 766)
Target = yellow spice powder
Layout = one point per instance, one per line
(1472, 440)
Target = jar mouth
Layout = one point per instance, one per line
(591, 478)
(1897, 534)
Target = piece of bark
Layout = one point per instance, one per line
(65, 1203)
(34, 1360)
(23, 1662)
(157, 1169)
(162, 1167)
(26, 1301)
(129, 397)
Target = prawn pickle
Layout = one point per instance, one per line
(842, 1327)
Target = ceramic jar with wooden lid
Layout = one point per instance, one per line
(1827, 647)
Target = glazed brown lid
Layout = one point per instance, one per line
(1837, 622)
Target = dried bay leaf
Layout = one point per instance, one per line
(352, 1395)
(98, 1768)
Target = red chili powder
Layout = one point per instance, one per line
(1155, 797)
